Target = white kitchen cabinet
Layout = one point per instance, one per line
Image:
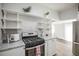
(50, 47)
(14, 52)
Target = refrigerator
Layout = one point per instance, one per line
(75, 46)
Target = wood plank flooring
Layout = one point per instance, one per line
(63, 48)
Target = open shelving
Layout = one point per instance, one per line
(13, 16)
(10, 24)
(24, 13)
(12, 20)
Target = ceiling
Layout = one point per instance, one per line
(59, 6)
(54, 6)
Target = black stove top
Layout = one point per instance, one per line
(32, 41)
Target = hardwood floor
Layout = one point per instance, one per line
(63, 48)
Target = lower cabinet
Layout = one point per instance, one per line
(50, 48)
(46, 48)
(14, 52)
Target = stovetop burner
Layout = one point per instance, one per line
(32, 41)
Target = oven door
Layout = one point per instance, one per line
(35, 51)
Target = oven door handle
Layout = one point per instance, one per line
(34, 46)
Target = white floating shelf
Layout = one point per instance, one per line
(10, 28)
(9, 11)
(23, 13)
(13, 20)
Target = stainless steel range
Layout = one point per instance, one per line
(34, 45)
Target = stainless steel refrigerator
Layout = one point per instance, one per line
(75, 46)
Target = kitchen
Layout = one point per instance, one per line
(27, 29)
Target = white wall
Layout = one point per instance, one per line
(29, 23)
(59, 31)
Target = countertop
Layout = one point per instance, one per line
(8, 46)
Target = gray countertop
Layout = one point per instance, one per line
(8, 46)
